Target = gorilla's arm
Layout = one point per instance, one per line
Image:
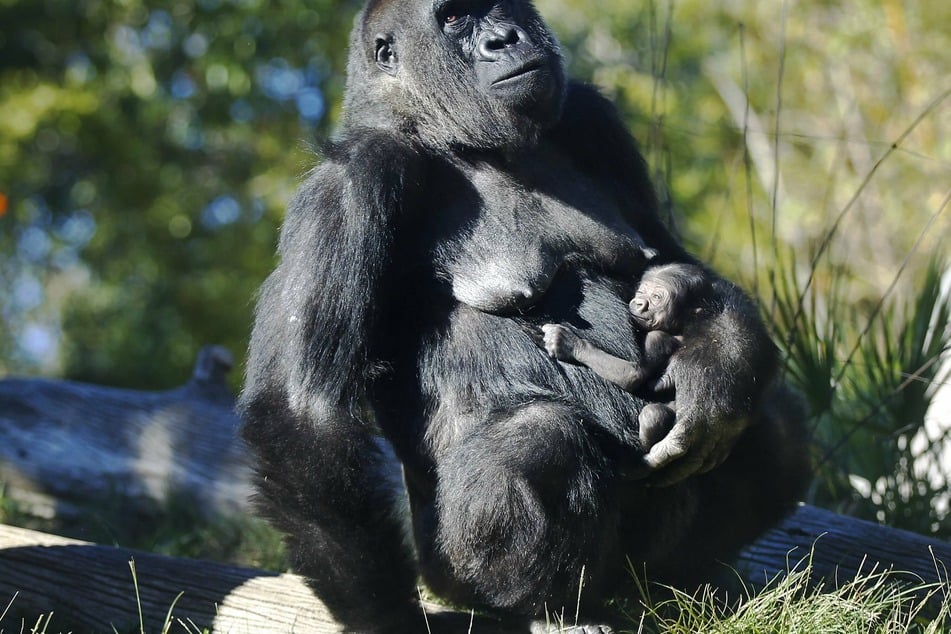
(322, 471)
(592, 133)
(562, 343)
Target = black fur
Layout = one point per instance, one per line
(463, 204)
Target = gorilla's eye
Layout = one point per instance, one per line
(453, 13)
(384, 55)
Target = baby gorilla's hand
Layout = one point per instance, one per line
(560, 342)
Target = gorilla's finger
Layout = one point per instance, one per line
(676, 472)
(671, 448)
(537, 335)
(663, 383)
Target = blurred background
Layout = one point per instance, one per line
(147, 151)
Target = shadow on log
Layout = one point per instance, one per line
(91, 588)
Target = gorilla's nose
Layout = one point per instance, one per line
(638, 305)
(494, 42)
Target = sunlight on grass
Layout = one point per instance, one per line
(875, 602)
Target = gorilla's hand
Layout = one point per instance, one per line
(560, 342)
(699, 441)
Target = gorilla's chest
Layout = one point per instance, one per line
(505, 232)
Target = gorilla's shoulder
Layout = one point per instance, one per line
(378, 165)
(584, 104)
(370, 147)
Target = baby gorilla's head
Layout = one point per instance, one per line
(670, 295)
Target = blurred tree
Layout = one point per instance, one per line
(830, 87)
(144, 144)
(147, 150)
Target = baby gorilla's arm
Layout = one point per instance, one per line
(563, 344)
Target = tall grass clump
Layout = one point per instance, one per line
(874, 602)
(868, 372)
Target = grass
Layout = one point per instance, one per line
(868, 604)
(873, 602)
(188, 627)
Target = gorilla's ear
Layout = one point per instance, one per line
(386, 55)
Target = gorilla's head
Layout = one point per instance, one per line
(470, 73)
(670, 296)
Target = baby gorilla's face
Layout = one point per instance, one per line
(653, 303)
(668, 295)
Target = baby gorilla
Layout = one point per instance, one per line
(675, 304)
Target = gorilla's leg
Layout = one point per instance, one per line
(653, 423)
(519, 514)
(332, 489)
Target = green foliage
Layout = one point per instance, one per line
(147, 151)
(180, 532)
(868, 374)
(762, 120)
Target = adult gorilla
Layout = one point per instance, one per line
(471, 195)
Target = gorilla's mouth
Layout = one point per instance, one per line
(643, 321)
(516, 73)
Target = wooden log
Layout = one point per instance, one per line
(91, 588)
(91, 585)
(838, 547)
(66, 445)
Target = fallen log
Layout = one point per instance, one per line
(91, 586)
(67, 446)
(838, 547)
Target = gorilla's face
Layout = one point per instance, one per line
(509, 65)
(654, 304)
(668, 296)
(472, 73)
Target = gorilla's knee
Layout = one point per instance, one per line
(509, 502)
(653, 423)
